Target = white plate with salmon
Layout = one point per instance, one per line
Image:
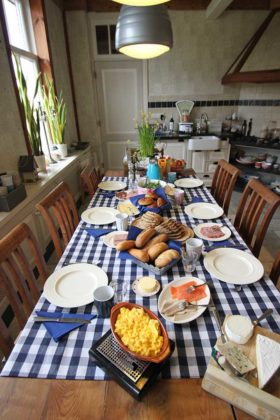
(177, 291)
(212, 232)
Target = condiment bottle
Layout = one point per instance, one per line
(171, 123)
(244, 128)
(250, 127)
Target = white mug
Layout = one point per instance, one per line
(194, 245)
(122, 221)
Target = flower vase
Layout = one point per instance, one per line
(41, 163)
(62, 150)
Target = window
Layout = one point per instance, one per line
(21, 38)
(105, 39)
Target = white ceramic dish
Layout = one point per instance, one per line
(188, 317)
(109, 239)
(99, 215)
(204, 211)
(73, 285)
(226, 231)
(139, 292)
(112, 185)
(188, 183)
(233, 266)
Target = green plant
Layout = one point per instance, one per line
(146, 133)
(55, 110)
(31, 113)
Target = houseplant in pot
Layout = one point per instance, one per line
(146, 134)
(31, 117)
(55, 110)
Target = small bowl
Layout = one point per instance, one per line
(266, 165)
(165, 350)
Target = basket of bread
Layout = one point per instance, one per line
(153, 200)
(139, 332)
(150, 249)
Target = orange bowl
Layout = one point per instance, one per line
(165, 349)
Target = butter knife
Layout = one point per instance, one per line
(61, 319)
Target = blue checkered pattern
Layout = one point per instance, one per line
(36, 355)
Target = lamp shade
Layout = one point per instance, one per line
(143, 32)
(141, 2)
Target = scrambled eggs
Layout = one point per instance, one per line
(139, 332)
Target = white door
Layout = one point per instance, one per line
(120, 90)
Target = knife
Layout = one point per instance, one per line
(47, 319)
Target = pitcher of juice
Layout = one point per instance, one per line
(153, 171)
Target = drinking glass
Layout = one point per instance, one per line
(189, 260)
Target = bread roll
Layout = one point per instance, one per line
(160, 202)
(151, 194)
(162, 237)
(145, 201)
(166, 257)
(155, 250)
(125, 245)
(140, 254)
(144, 237)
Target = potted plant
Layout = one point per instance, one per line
(31, 116)
(55, 110)
(146, 132)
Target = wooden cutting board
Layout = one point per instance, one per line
(260, 403)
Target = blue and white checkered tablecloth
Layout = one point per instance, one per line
(37, 355)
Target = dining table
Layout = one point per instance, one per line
(43, 378)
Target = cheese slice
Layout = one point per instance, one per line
(239, 329)
(268, 358)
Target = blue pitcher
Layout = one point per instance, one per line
(153, 171)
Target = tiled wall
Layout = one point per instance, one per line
(203, 51)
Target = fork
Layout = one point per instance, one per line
(192, 288)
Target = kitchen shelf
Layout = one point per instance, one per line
(252, 169)
(252, 143)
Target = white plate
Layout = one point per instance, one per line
(112, 185)
(99, 215)
(204, 211)
(109, 239)
(188, 183)
(226, 231)
(73, 285)
(233, 266)
(128, 208)
(188, 317)
(139, 292)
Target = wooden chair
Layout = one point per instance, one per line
(223, 183)
(18, 249)
(275, 270)
(254, 213)
(59, 207)
(89, 180)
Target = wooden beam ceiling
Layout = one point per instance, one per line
(216, 8)
(111, 6)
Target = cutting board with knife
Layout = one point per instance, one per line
(260, 403)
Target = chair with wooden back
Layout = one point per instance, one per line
(224, 179)
(89, 180)
(20, 258)
(59, 208)
(275, 270)
(254, 213)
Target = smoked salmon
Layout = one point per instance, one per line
(180, 292)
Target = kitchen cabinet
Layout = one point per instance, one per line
(205, 162)
(175, 149)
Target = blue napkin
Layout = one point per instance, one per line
(108, 194)
(56, 329)
(133, 233)
(224, 244)
(161, 193)
(98, 232)
(197, 200)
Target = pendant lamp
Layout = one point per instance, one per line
(141, 2)
(143, 32)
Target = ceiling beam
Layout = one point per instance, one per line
(216, 8)
(274, 4)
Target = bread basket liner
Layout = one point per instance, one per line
(165, 351)
(124, 255)
(161, 193)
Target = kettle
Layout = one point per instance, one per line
(153, 171)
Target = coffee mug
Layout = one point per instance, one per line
(179, 196)
(171, 177)
(122, 221)
(194, 245)
(104, 300)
